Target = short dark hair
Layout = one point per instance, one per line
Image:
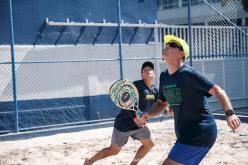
(147, 63)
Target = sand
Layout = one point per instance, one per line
(72, 148)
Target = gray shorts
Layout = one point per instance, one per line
(120, 138)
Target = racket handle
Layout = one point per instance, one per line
(139, 113)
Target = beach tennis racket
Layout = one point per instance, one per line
(125, 95)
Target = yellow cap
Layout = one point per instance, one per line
(181, 42)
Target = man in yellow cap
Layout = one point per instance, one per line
(186, 91)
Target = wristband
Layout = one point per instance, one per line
(138, 113)
(229, 112)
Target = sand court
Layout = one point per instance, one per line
(72, 148)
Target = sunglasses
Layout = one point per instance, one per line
(175, 45)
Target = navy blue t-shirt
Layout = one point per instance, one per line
(147, 96)
(186, 91)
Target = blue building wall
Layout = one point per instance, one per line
(35, 114)
(29, 17)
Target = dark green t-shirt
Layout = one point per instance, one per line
(186, 91)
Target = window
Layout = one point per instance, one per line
(167, 4)
(193, 2)
(239, 21)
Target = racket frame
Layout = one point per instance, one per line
(117, 88)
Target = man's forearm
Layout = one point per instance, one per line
(224, 101)
(232, 120)
(222, 98)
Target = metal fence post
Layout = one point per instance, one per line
(13, 66)
(120, 38)
(189, 32)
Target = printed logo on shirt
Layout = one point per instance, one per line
(172, 93)
(150, 97)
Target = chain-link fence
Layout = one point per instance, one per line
(63, 79)
(225, 42)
